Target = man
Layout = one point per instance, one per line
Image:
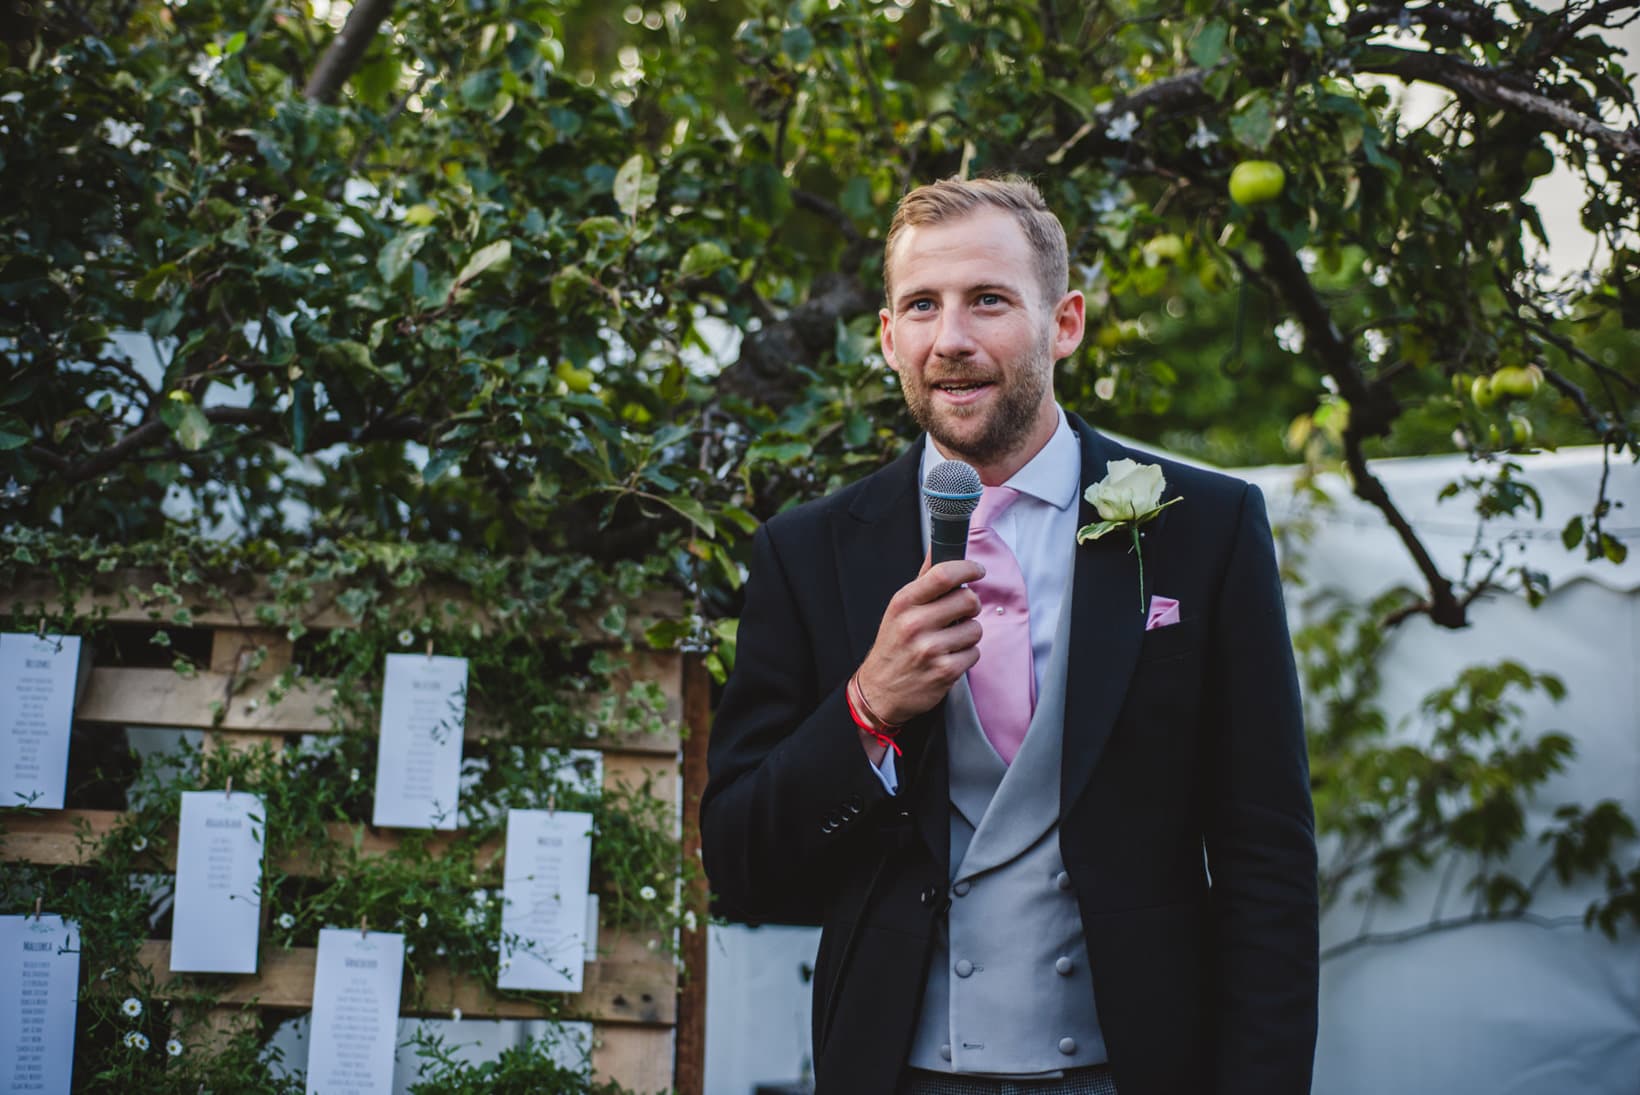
(1088, 866)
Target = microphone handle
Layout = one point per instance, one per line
(947, 538)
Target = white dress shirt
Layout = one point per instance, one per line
(1040, 529)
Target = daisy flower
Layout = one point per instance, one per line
(132, 1007)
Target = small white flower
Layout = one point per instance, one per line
(1330, 383)
(421, 921)
(1380, 276)
(406, 637)
(1106, 202)
(1123, 128)
(173, 1048)
(481, 898)
(1203, 137)
(107, 973)
(1105, 388)
(137, 1040)
(1290, 336)
(1307, 259)
(132, 1007)
(455, 1013)
(689, 920)
(11, 97)
(353, 776)
(287, 921)
(1377, 344)
(139, 843)
(647, 893)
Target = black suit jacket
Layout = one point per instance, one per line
(1185, 821)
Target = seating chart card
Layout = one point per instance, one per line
(355, 1012)
(544, 918)
(217, 915)
(39, 982)
(418, 765)
(37, 679)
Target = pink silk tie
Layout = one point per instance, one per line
(1003, 682)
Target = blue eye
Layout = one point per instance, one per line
(989, 299)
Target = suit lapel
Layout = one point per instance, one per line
(879, 548)
(1107, 628)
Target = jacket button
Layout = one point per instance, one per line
(964, 967)
(854, 805)
(1067, 1046)
(1062, 880)
(927, 896)
(961, 888)
(945, 1051)
(828, 826)
(1064, 966)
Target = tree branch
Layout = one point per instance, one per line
(1366, 939)
(1492, 87)
(346, 50)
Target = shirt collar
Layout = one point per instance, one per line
(1053, 475)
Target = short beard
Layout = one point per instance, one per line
(1011, 420)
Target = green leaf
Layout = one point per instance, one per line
(1208, 45)
(705, 257)
(1613, 549)
(634, 186)
(395, 257)
(1572, 534)
(1253, 124)
(797, 43)
(694, 511)
(9, 440)
(187, 422)
(487, 257)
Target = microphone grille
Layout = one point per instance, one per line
(952, 489)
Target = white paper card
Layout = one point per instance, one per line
(543, 920)
(219, 883)
(39, 981)
(418, 765)
(355, 1012)
(37, 679)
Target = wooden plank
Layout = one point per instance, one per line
(128, 596)
(122, 697)
(632, 769)
(637, 1058)
(628, 984)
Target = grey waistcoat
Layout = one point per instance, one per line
(1008, 989)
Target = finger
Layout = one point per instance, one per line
(942, 579)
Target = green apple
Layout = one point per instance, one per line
(576, 380)
(1517, 382)
(1167, 247)
(1481, 392)
(1521, 427)
(1254, 181)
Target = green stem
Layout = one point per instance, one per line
(1140, 553)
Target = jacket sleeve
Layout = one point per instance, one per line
(1260, 832)
(791, 799)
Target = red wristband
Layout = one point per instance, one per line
(882, 732)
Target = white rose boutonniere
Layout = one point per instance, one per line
(1129, 495)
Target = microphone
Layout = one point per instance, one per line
(950, 494)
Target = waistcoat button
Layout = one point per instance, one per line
(1062, 880)
(945, 1051)
(1064, 966)
(961, 888)
(964, 967)
(1067, 1046)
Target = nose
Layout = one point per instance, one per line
(955, 338)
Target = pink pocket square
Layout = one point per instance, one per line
(1164, 612)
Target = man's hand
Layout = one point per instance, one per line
(927, 639)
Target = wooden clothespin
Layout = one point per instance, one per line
(228, 793)
(39, 903)
(364, 926)
(41, 632)
(552, 801)
(429, 648)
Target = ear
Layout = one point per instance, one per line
(885, 337)
(1069, 321)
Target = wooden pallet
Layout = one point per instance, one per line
(648, 1023)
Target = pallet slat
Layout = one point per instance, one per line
(628, 984)
(123, 697)
(637, 1058)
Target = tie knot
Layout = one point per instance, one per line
(993, 502)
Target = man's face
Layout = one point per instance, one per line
(973, 341)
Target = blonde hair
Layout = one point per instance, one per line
(955, 197)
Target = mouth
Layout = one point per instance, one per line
(961, 390)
